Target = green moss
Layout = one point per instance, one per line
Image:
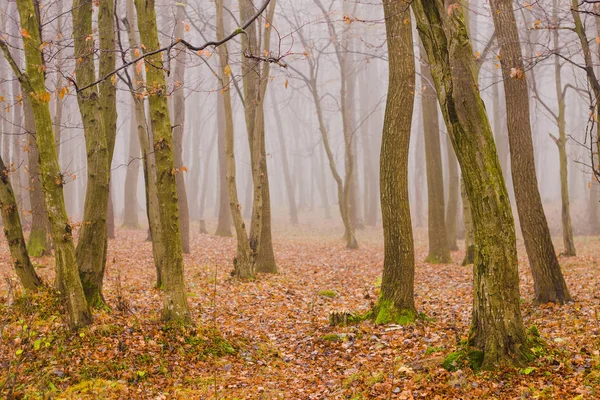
(94, 389)
(327, 293)
(464, 356)
(331, 337)
(37, 243)
(377, 377)
(431, 350)
(385, 313)
(469, 256)
(438, 259)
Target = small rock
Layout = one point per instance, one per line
(396, 390)
(58, 373)
(227, 367)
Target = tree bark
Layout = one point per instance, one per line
(175, 300)
(453, 193)
(549, 284)
(396, 301)
(34, 88)
(439, 251)
(497, 326)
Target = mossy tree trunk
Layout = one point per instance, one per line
(549, 284)
(97, 122)
(34, 87)
(439, 251)
(255, 79)
(175, 301)
(39, 241)
(396, 302)
(178, 128)
(14, 233)
(497, 326)
(143, 135)
(243, 263)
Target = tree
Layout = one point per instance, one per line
(178, 128)
(175, 307)
(396, 301)
(143, 135)
(130, 209)
(97, 106)
(33, 83)
(255, 80)
(224, 220)
(497, 326)
(439, 251)
(244, 261)
(549, 284)
(14, 233)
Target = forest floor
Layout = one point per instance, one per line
(270, 338)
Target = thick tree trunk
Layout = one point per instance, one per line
(39, 241)
(34, 87)
(497, 326)
(396, 301)
(224, 220)
(439, 252)
(178, 130)
(14, 233)
(175, 300)
(549, 284)
(130, 210)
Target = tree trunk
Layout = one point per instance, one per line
(243, 263)
(549, 284)
(144, 138)
(453, 192)
(205, 188)
(396, 301)
(439, 252)
(38, 243)
(224, 221)
(255, 78)
(34, 87)
(14, 233)
(290, 190)
(469, 258)
(178, 130)
(58, 109)
(175, 299)
(497, 327)
(130, 210)
(97, 114)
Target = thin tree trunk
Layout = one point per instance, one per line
(14, 233)
(205, 188)
(178, 125)
(396, 301)
(34, 88)
(497, 326)
(439, 251)
(243, 263)
(225, 219)
(548, 281)
(130, 210)
(58, 109)
(38, 243)
(453, 193)
(290, 190)
(175, 300)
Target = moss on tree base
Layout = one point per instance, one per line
(386, 312)
(438, 259)
(37, 245)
